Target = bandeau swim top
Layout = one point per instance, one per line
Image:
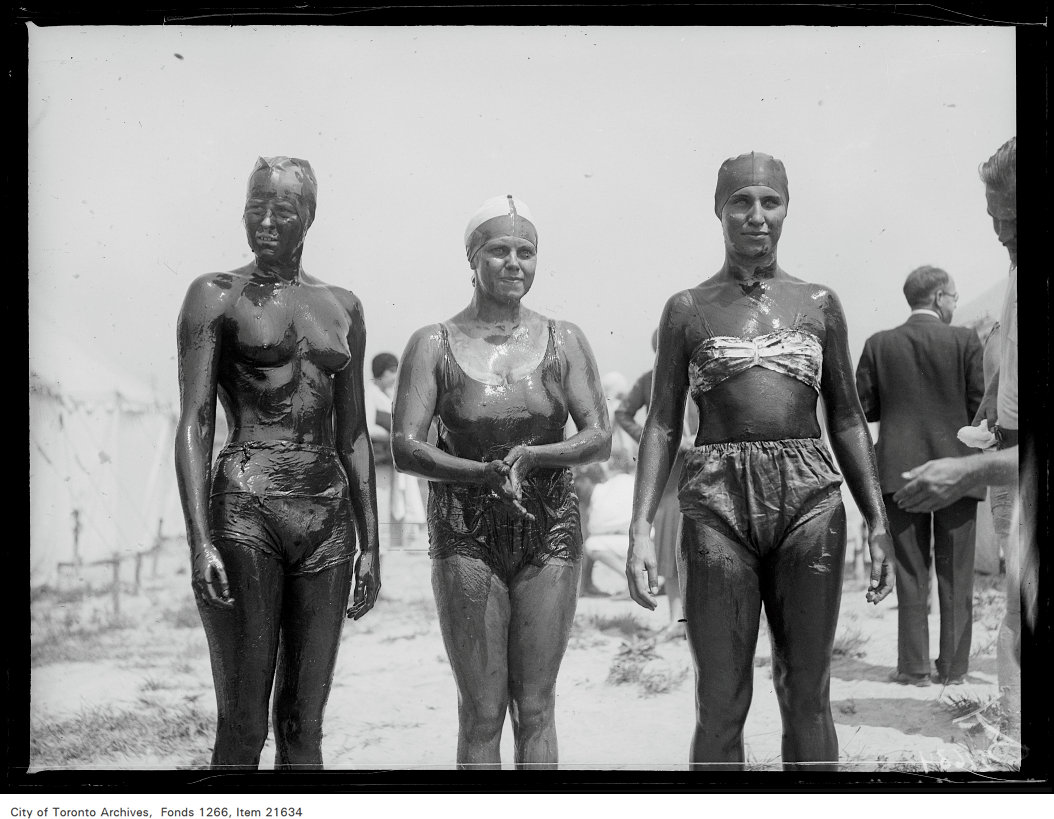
(788, 351)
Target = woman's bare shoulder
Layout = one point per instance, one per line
(210, 293)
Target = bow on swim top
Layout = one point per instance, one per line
(789, 351)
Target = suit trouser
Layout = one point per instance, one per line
(951, 531)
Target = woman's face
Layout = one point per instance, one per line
(752, 220)
(272, 219)
(505, 267)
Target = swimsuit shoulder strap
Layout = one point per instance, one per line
(700, 314)
(554, 357)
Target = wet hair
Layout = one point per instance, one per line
(999, 171)
(922, 283)
(301, 169)
(382, 362)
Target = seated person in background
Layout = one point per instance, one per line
(610, 513)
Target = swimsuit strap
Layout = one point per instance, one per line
(553, 360)
(702, 316)
(448, 360)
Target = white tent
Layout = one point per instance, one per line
(102, 484)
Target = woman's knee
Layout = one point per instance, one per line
(807, 699)
(245, 732)
(534, 708)
(481, 720)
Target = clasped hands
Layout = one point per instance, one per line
(505, 478)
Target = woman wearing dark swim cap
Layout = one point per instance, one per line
(763, 523)
(503, 520)
(272, 526)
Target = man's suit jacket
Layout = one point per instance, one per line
(921, 381)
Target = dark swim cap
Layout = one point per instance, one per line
(301, 170)
(746, 170)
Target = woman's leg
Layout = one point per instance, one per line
(473, 608)
(543, 601)
(243, 643)
(722, 607)
(802, 589)
(313, 612)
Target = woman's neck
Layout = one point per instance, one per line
(287, 270)
(506, 314)
(750, 271)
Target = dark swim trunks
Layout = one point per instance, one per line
(286, 499)
(463, 519)
(758, 492)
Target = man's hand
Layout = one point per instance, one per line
(935, 484)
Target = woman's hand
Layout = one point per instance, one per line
(504, 487)
(367, 584)
(208, 577)
(642, 573)
(521, 462)
(882, 575)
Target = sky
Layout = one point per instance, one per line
(141, 140)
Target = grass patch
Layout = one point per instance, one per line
(624, 624)
(985, 647)
(156, 684)
(97, 734)
(631, 658)
(849, 643)
(660, 677)
(186, 616)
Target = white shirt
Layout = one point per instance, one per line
(1006, 400)
(611, 506)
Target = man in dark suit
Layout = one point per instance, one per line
(923, 381)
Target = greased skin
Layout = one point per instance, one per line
(501, 381)
(764, 525)
(272, 529)
(483, 422)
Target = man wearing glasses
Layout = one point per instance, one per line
(922, 382)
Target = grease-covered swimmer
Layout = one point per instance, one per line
(503, 520)
(763, 520)
(272, 528)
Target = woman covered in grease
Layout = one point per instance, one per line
(764, 523)
(503, 518)
(272, 529)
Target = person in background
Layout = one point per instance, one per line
(400, 506)
(922, 381)
(610, 514)
(666, 528)
(588, 476)
(378, 401)
(937, 483)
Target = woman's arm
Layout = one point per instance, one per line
(198, 352)
(658, 446)
(356, 453)
(852, 444)
(416, 392)
(636, 398)
(587, 407)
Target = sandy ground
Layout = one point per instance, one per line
(393, 703)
